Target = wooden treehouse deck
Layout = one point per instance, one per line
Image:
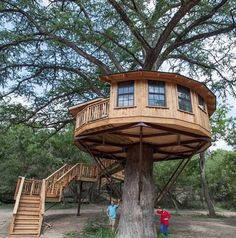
(31, 194)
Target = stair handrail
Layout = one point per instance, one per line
(56, 172)
(51, 179)
(17, 187)
(67, 173)
(58, 187)
(18, 196)
(42, 204)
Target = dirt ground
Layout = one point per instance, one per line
(186, 224)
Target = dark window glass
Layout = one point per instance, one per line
(184, 98)
(125, 96)
(201, 103)
(156, 93)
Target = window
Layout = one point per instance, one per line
(201, 103)
(125, 94)
(156, 93)
(184, 98)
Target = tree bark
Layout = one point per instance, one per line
(137, 211)
(208, 200)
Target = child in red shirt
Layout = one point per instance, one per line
(164, 220)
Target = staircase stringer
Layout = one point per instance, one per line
(20, 185)
(102, 167)
(42, 205)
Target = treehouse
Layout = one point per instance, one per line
(166, 111)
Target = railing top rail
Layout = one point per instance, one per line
(68, 172)
(43, 196)
(33, 180)
(19, 195)
(94, 104)
(50, 176)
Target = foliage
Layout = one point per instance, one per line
(187, 185)
(220, 174)
(34, 154)
(222, 177)
(72, 234)
(51, 52)
(223, 127)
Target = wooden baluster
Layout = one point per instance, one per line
(32, 187)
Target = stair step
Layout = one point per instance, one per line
(30, 197)
(26, 223)
(26, 227)
(29, 205)
(13, 235)
(29, 201)
(26, 217)
(20, 232)
(27, 213)
(32, 209)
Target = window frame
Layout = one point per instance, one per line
(202, 107)
(119, 84)
(189, 101)
(155, 83)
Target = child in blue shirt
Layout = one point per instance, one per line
(112, 214)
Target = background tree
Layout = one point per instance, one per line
(33, 154)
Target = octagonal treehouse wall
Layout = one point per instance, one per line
(109, 129)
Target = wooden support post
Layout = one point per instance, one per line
(99, 186)
(80, 196)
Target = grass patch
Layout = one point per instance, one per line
(71, 234)
(169, 236)
(97, 228)
(6, 205)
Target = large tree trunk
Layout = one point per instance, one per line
(205, 186)
(137, 211)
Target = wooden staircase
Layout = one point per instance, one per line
(29, 208)
(31, 194)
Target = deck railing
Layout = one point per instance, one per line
(50, 180)
(32, 187)
(96, 111)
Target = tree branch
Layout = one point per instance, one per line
(179, 43)
(68, 43)
(122, 47)
(153, 54)
(202, 19)
(130, 24)
(57, 67)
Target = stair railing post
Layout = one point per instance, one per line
(80, 196)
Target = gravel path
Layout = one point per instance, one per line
(186, 224)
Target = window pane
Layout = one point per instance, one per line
(184, 98)
(156, 93)
(125, 94)
(201, 102)
(185, 105)
(120, 90)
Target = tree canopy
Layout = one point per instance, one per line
(52, 51)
